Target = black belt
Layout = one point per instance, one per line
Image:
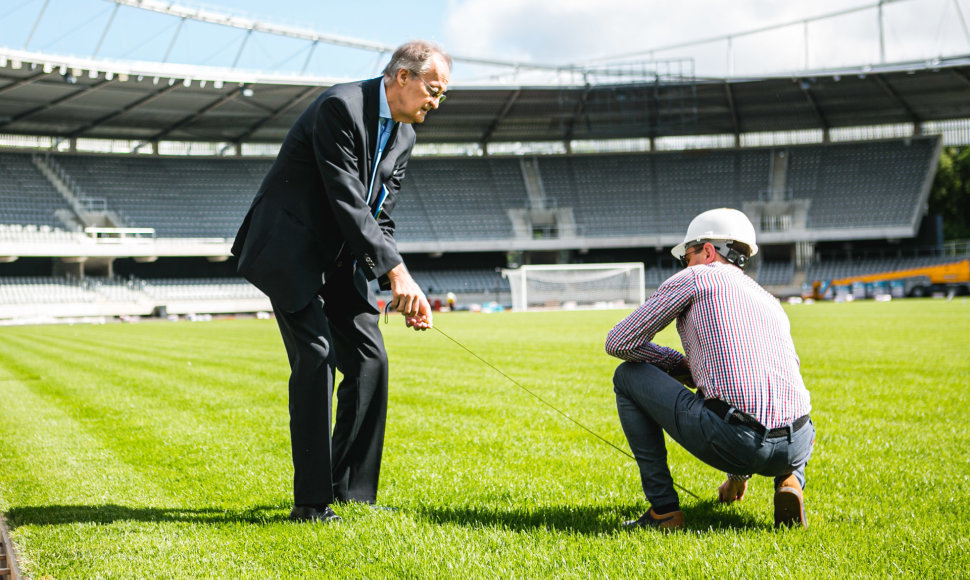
(740, 418)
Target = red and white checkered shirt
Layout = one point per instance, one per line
(736, 338)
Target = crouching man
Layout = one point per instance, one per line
(749, 414)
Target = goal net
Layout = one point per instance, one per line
(577, 286)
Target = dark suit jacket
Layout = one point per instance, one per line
(310, 211)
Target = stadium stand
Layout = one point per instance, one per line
(858, 185)
(454, 199)
(461, 281)
(177, 197)
(40, 290)
(655, 275)
(44, 297)
(651, 193)
(775, 272)
(29, 199)
(861, 185)
(166, 290)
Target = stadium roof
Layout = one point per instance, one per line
(72, 98)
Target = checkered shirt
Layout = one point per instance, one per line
(736, 338)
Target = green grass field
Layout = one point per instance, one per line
(162, 450)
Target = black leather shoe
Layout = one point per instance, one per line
(307, 513)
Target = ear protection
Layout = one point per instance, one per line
(737, 258)
(733, 256)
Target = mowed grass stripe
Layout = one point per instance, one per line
(583, 388)
(491, 484)
(510, 433)
(54, 458)
(181, 345)
(249, 334)
(160, 430)
(885, 395)
(122, 383)
(479, 400)
(167, 375)
(99, 405)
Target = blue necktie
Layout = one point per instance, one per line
(383, 133)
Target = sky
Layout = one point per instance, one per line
(555, 32)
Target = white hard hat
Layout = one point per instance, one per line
(718, 224)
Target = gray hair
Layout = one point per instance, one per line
(415, 56)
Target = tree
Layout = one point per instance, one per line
(950, 195)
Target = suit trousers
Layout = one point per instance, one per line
(338, 330)
(650, 402)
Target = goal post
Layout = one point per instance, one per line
(566, 286)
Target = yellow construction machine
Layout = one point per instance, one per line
(951, 278)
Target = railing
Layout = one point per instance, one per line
(959, 248)
(955, 249)
(785, 194)
(776, 223)
(549, 203)
(93, 204)
(120, 235)
(87, 203)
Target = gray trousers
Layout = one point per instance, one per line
(650, 402)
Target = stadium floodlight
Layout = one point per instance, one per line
(566, 286)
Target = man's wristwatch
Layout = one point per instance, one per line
(736, 477)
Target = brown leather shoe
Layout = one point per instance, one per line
(789, 504)
(669, 521)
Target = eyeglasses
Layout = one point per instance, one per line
(433, 92)
(685, 259)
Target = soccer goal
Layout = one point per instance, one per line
(568, 286)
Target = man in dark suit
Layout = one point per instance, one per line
(319, 228)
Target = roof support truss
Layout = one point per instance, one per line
(275, 115)
(120, 112)
(498, 118)
(810, 98)
(55, 102)
(895, 96)
(188, 119)
(22, 82)
(733, 111)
